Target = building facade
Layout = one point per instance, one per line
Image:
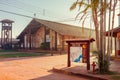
(52, 35)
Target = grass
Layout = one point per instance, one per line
(113, 75)
(8, 51)
(13, 55)
(110, 73)
(116, 77)
(106, 73)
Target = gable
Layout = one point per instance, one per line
(60, 28)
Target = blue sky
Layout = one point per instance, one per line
(54, 10)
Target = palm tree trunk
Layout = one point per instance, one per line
(95, 19)
(101, 38)
(104, 30)
(113, 16)
(109, 26)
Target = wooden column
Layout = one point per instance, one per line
(32, 40)
(88, 56)
(68, 61)
(45, 37)
(27, 41)
(63, 43)
(11, 36)
(115, 48)
(30, 45)
(84, 53)
(1, 38)
(24, 42)
(51, 42)
(56, 41)
(119, 44)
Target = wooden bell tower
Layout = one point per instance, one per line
(6, 33)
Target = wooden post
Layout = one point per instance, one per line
(1, 38)
(23, 42)
(51, 43)
(56, 41)
(45, 37)
(119, 44)
(30, 41)
(44, 34)
(83, 53)
(27, 41)
(62, 42)
(115, 48)
(69, 63)
(11, 35)
(88, 56)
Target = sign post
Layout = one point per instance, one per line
(85, 44)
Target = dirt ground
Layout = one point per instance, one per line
(34, 68)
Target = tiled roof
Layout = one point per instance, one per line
(115, 31)
(63, 29)
(7, 20)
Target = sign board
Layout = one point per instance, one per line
(47, 38)
(76, 54)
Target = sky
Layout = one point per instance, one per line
(53, 10)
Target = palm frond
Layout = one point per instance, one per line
(82, 16)
(80, 4)
(83, 24)
(95, 4)
(78, 15)
(73, 6)
(86, 8)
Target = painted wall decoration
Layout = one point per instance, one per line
(76, 54)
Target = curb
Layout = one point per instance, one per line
(78, 74)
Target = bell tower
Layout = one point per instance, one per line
(6, 34)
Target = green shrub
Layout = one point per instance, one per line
(95, 52)
(115, 77)
(45, 46)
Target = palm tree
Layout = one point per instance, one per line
(98, 10)
(110, 27)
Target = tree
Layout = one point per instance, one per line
(98, 9)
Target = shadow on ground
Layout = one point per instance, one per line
(58, 76)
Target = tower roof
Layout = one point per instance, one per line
(7, 21)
